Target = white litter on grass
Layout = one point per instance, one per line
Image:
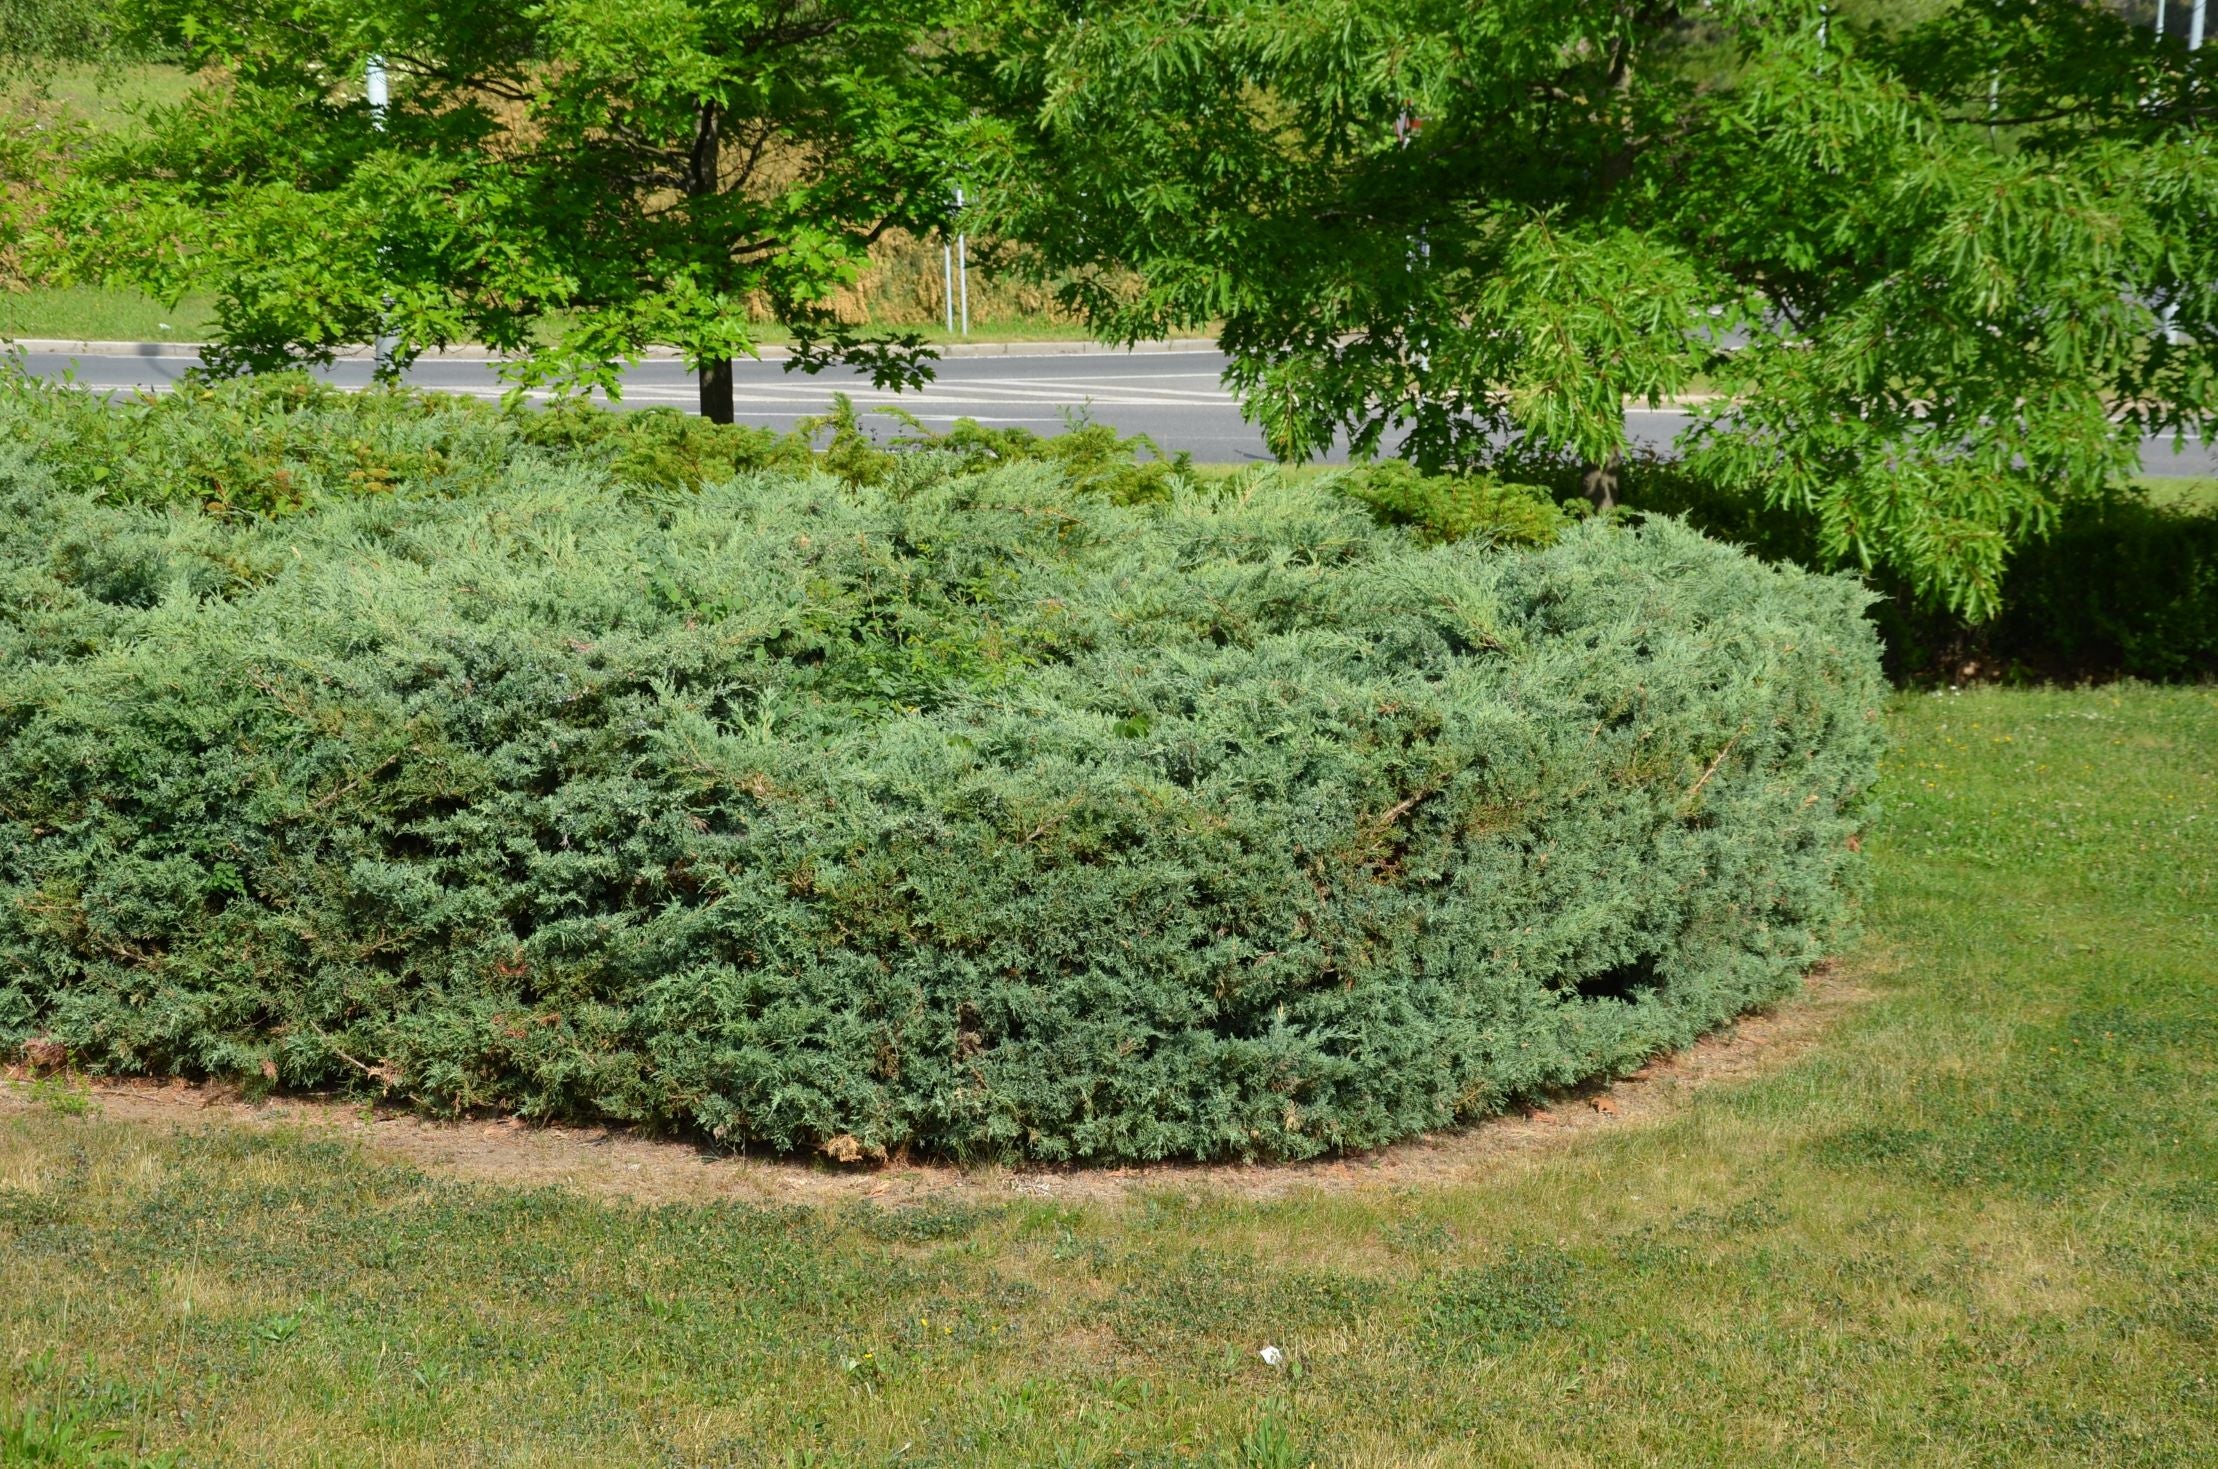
(1273, 1356)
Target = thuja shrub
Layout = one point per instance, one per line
(957, 811)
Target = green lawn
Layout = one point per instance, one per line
(1976, 1224)
(109, 314)
(2181, 491)
(103, 314)
(107, 97)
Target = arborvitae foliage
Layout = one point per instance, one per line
(952, 810)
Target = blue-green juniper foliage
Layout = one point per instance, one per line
(934, 804)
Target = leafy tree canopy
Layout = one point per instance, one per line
(570, 182)
(1923, 259)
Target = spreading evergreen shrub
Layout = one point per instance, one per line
(1455, 507)
(281, 443)
(948, 808)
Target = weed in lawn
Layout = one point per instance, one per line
(917, 1223)
(64, 1094)
(1270, 1445)
(65, 1440)
(1492, 1308)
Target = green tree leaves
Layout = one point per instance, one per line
(1924, 266)
(1940, 278)
(1960, 323)
(569, 183)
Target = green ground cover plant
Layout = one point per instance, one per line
(274, 445)
(992, 796)
(1973, 1225)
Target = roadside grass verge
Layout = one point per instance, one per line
(118, 314)
(103, 314)
(1977, 1225)
(107, 99)
(2180, 492)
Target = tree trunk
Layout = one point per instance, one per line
(1599, 481)
(716, 391)
(704, 172)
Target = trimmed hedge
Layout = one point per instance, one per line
(959, 811)
(2121, 589)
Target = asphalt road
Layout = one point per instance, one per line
(1173, 397)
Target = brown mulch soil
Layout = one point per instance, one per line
(617, 1163)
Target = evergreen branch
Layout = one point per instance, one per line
(1687, 801)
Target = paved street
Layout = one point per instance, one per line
(1174, 397)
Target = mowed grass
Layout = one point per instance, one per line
(107, 98)
(2180, 492)
(1976, 1224)
(103, 314)
(115, 314)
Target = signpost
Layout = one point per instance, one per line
(962, 263)
(955, 271)
(374, 88)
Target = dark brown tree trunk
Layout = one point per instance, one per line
(704, 174)
(1600, 482)
(716, 391)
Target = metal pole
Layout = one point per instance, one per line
(962, 265)
(947, 295)
(2194, 43)
(374, 87)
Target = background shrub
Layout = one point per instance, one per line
(71, 32)
(946, 807)
(2122, 587)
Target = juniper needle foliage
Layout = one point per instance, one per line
(950, 807)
